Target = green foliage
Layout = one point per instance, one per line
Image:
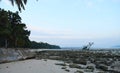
(43, 45)
(20, 3)
(13, 32)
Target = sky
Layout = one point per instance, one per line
(72, 23)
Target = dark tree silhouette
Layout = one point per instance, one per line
(13, 32)
(20, 3)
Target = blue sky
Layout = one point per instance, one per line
(72, 23)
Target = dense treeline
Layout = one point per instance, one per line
(14, 33)
(43, 45)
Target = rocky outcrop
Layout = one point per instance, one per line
(9, 54)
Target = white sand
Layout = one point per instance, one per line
(33, 66)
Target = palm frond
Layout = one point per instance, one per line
(25, 1)
(20, 3)
(12, 2)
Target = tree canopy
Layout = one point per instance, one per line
(14, 33)
(39, 45)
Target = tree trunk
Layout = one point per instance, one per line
(15, 43)
(6, 43)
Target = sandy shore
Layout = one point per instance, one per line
(33, 66)
(37, 66)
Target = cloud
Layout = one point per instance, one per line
(49, 31)
(52, 33)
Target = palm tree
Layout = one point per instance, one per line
(20, 3)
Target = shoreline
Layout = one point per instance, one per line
(72, 61)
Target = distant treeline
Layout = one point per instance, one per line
(37, 45)
(14, 33)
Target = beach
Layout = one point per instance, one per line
(33, 66)
(68, 61)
